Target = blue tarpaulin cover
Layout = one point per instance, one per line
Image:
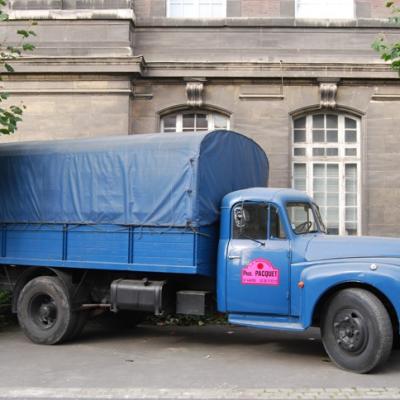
(168, 179)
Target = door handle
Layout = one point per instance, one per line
(234, 257)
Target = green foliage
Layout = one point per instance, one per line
(188, 320)
(11, 115)
(5, 312)
(390, 52)
(5, 297)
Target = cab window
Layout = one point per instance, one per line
(302, 218)
(276, 228)
(250, 221)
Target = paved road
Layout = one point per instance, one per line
(196, 362)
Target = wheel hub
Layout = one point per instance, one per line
(43, 311)
(350, 331)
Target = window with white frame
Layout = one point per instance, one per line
(190, 121)
(326, 9)
(326, 164)
(196, 8)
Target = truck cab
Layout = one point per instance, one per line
(278, 269)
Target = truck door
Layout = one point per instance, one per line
(258, 262)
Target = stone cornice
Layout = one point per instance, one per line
(72, 14)
(269, 70)
(137, 66)
(67, 65)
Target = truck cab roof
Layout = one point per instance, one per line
(278, 196)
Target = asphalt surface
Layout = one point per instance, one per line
(224, 359)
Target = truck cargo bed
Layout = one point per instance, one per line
(111, 247)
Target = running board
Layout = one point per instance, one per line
(273, 323)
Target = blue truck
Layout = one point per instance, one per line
(162, 223)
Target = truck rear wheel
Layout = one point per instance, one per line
(357, 331)
(45, 312)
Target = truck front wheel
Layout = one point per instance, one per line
(356, 330)
(45, 312)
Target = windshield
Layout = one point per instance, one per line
(302, 218)
(317, 213)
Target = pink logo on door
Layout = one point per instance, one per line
(260, 272)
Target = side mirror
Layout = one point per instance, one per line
(241, 217)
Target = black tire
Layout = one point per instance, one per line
(357, 331)
(396, 340)
(81, 320)
(45, 312)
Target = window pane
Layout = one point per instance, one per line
(175, 10)
(351, 137)
(332, 199)
(351, 185)
(301, 218)
(319, 198)
(332, 9)
(351, 170)
(300, 123)
(331, 121)
(299, 170)
(319, 170)
(318, 136)
(220, 121)
(169, 123)
(319, 185)
(299, 175)
(350, 123)
(351, 214)
(332, 151)
(250, 221)
(211, 8)
(197, 8)
(332, 136)
(299, 151)
(351, 199)
(318, 121)
(299, 136)
(351, 152)
(188, 122)
(318, 151)
(332, 170)
(201, 122)
(332, 216)
(332, 185)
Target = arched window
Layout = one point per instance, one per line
(326, 164)
(190, 121)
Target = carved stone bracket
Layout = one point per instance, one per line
(328, 93)
(194, 93)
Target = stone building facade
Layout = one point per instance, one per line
(297, 76)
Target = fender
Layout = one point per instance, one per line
(31, 273)
(320, 278)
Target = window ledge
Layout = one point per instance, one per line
(265, 22)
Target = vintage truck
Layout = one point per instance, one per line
(179, 222)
